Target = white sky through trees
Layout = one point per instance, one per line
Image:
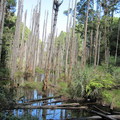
(46, 5)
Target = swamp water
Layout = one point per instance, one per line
(43, 114)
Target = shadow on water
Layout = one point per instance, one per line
(43, 114)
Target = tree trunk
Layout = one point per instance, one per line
(118, 36)
(83, 61)
(97, 35)
(72, 50)
(2, 15)
(16, 41)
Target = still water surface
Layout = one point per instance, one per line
(43, 114)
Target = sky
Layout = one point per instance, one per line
(46, 5)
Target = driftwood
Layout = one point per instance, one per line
(102, 115)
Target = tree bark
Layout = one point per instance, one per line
(2, 16)
(118, 36)
(83, 61)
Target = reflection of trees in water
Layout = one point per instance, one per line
(28, 94)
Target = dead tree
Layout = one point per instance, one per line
(67, 41)
(33, 42)
(56, 5)
(16, 40)
(73, 45)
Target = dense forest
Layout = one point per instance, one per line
(81, 64)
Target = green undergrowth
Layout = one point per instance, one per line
(33, 85)
(39, 70)
(63, 89)
(112, 97)
(90, 82)
(4, 72)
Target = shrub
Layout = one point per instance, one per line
(79, 82)
(98, 82)
(33, 85)
(39, 70)
(4, 72)
(111, 97)
(62, 89)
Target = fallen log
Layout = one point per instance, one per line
(42, 99)
(56, 101)
(115, 112)
(51, 107)
(37, 100)
(102, 115)
(99, 117)
(48, 106)
(102, 111)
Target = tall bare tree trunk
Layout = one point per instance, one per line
(91, 45)
(118, 37)
(43, 40)
(98, 57)
(22, 47)
(83, 62)
(33, 42)
(2, 15)
(73, 45)
(56, 9)
(16, 41)
(96, 42)
(67, 41)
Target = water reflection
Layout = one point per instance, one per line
(43, 114)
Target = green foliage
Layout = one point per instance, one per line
(61, 77)
(6, 98)
(26, 32)
(79, 82)
(116, 74)
(11, 4)
(60, 40)
(112, 97)
(62, 89)
(33, 85)
(39, 70)
(99, 81)
(19, 74)
(91, 82)
(8, 31)
(4, 72)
